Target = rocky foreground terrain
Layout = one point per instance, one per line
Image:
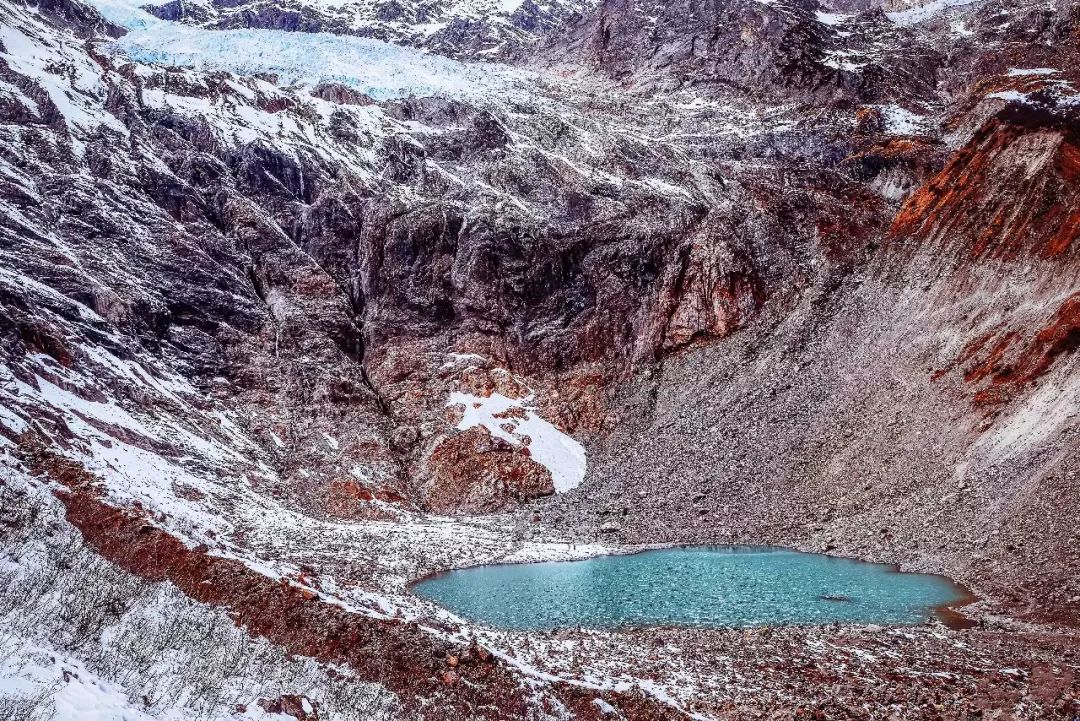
(300, 302)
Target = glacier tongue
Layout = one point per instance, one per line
(379, 69)
(127, 13)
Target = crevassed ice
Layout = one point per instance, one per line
(921, 12)
(382, 70)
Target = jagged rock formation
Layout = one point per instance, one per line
(794, 273)
(785, 50)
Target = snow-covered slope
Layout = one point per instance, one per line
(515, 421)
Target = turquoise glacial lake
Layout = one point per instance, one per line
(706, 586)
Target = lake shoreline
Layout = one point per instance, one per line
(946, 613)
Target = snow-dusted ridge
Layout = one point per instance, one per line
(77, 93)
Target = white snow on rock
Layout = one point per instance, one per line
(559, 453)
(1016, 72)
(28, 672)
(844, 60)
(925, 11)
(900, 121)
(71, 79)
(381, 70)
(960, 28)
(605, 708)
(1009, 95)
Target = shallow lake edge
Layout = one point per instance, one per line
(948, 614)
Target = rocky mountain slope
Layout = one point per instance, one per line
(290, 319)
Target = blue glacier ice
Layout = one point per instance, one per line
(382, 70)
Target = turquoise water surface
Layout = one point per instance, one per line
(698, 586)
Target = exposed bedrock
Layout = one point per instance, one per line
(770, 51)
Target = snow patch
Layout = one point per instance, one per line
(1010, 95)
(30, 672)
(961, 29)
(604, 707)
(922, 13)
(832, 18)
(1017, 72)
(844, 60)
(563, 456)
(900, 121)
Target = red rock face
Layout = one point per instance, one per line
(1002, 363)
(348, 499)
(1011, 192)
(709, 305)
(474, 471)
(1011, 195)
